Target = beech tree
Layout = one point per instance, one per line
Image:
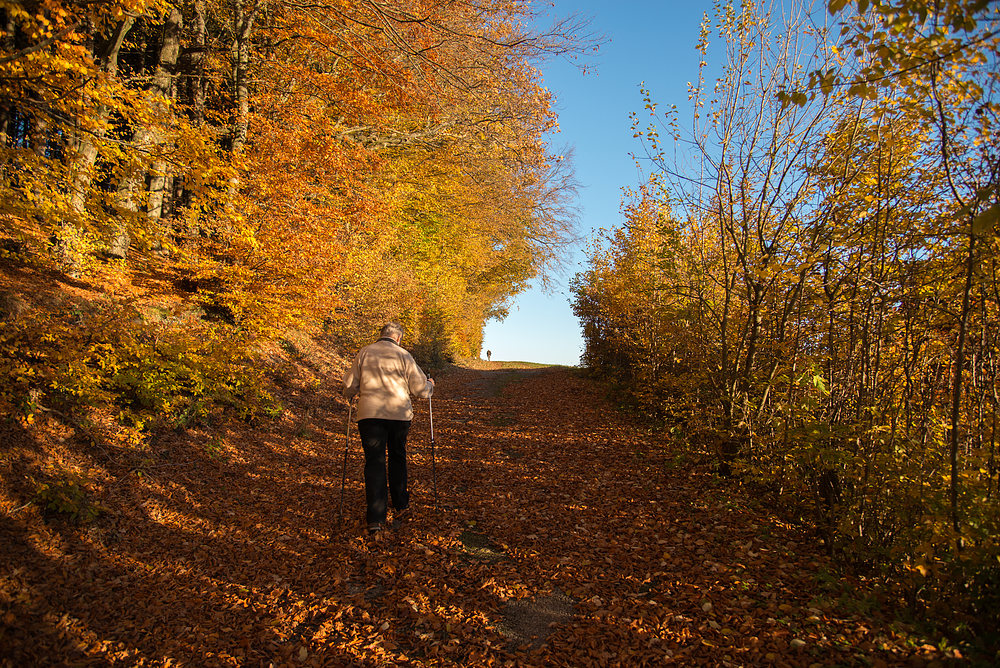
(218, 172)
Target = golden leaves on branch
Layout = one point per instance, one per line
(336, 164)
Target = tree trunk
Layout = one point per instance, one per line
(956, 392)
(146, 140)
(7, 43)
(198, 62)
(69, 247)
(160, 88)
(243, 22)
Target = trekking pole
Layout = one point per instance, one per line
(347, 444)
(430, 409)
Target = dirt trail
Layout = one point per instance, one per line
(562, 536)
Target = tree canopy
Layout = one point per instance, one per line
(211, 174)
(814, 294)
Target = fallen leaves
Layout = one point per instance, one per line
(244, 562)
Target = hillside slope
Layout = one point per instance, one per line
(561, 536)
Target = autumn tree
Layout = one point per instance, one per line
(218, 172)
(837, 206)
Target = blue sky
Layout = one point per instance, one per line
(650, 41)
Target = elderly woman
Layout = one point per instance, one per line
(383, 376)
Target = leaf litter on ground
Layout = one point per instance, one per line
(574, 551)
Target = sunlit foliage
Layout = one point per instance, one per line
(181, 183)
(814, 294)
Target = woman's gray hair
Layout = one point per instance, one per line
(391, 330)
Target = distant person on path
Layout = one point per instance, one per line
(488, 355)
(383, 376)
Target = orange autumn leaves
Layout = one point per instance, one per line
(812, 291)
(221, 545)
(253, 166)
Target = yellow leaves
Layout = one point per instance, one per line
(15, 10)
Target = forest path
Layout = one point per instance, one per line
(562, 536)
